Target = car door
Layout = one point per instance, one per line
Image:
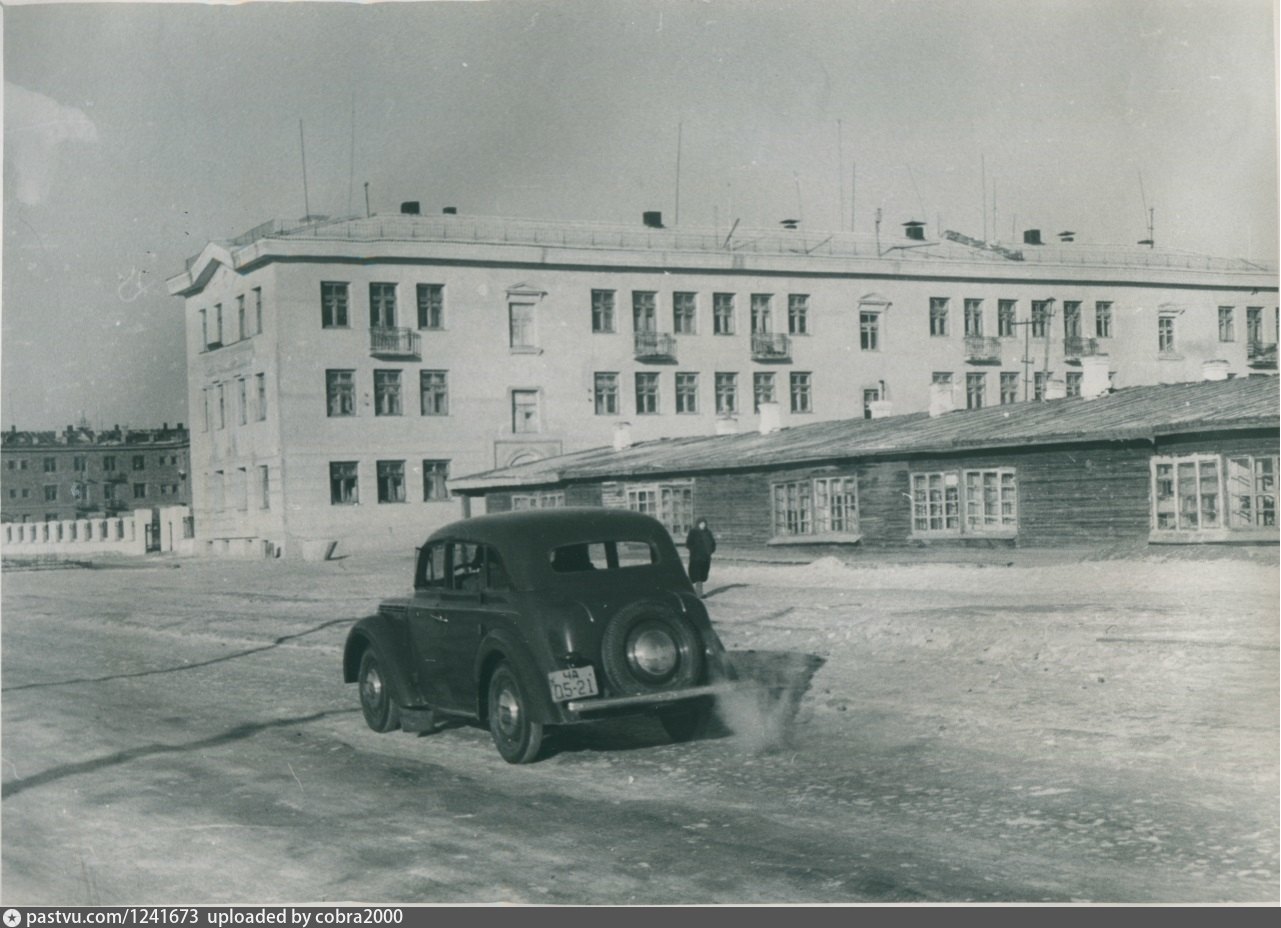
(428, 623)
(465, 610)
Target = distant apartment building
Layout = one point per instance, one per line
(340, 372)
(79, 473)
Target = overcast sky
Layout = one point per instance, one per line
(135, 134)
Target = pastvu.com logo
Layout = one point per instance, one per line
(12, 918)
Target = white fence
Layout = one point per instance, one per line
(122, 535)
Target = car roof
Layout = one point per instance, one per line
(550, 527)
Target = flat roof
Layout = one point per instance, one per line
(1127, 414)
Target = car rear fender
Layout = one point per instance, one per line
(383, 632)
(503, 645)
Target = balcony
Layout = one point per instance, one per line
(655, 346)
(1262, 355)
(395, 343)
(982, 349)
(1076, 347)
(769, 347)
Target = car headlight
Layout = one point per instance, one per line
(653, 652)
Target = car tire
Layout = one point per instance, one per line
(376, 702)
(618, 641)
(688, 721)
(517, 736)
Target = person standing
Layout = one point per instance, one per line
(701, 543)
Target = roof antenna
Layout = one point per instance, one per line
(1149, 215)
(302, 148)
(680, 127)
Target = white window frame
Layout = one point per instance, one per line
(815, 509)
(670, 503)
(1217, 474)
(955, 512)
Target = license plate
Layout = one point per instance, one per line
(574, 683)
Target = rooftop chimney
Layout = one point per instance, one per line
(1032, 237)
(879, 409)
(1214, 369)
(726, 425)
(409, 208)
(771, 418)
(450, 211)
(942, 399)
(652, 218)
(915, 230)
(1094, 376)
(1055, 388)
(622, 435)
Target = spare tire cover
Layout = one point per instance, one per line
(636, 619)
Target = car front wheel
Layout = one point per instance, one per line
(380, 710)
(517, 736)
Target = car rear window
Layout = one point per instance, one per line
(602, 555)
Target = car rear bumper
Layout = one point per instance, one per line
(594, 706)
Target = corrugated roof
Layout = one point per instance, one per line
(1135, 412)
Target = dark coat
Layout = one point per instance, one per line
(701, 543)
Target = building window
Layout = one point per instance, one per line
(686, 392)
(382, 306)
(242, 400)
(340, 392)
(1227, 326)
(540, 499)
(1009, 387)
(798, 314)
(260, 381)
(435, 477)
(822, 506)
(938, 315)
(965, 502)
(391, 481)
(521, 332)
(242, 323)
(685, 313)
(257, 310)
(139, 491)
(943, 378)
(603, 311)
(204, 330)
(802, 401)
(109, 463)
(1040, 318)
(1073, 383)
(1071, 319)
(139, 462)
(644, 311)
(762, 313)
(1103, 319)
(1005, 313)
(431, 306)
(762, 390)
(871, 395)
(669, 503)
(344, 488)
(726, 394)
(869, 331)
(222, 405)
(50, 465)
(1186, 493)
(605, 389)
(975, 390)
(333, 305)
(217, 330)
(973, 318)
(723, 313)
(204, 407)
(387, 393)
(1254, 324)
(1252, 488)
(525, 411)
(434, 392)
(264, 487)
(1165, 334)
(51, 494)
(79, 463)
(646, 394)
(1039, 380)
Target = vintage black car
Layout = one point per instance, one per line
(531, 619)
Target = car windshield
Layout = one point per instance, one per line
(603, 555)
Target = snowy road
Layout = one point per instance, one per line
(1104, 730)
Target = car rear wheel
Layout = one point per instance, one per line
(380, 710)
(687, 721)
(648, 648)
(517, 736)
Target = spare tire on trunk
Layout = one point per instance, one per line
(648, 647)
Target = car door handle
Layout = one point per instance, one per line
(437, 617)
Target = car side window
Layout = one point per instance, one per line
(467, 565)
(497, 576)
(431, 568)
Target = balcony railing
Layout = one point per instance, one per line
(655, 346)
(1262, 355)
(982, 349)
(1077, 346)
(395, 343)
(770, 347)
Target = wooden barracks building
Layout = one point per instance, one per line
(343, 373)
